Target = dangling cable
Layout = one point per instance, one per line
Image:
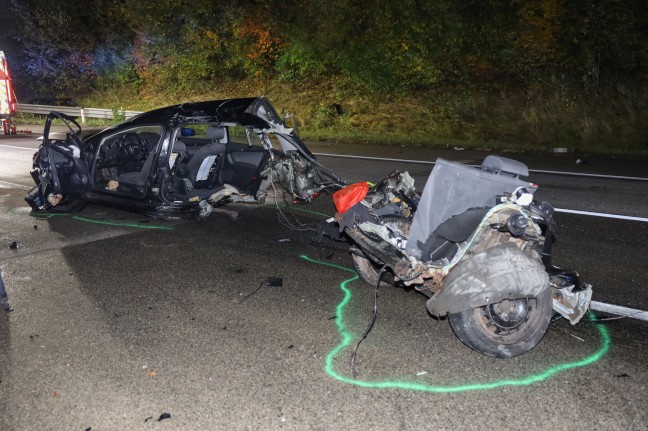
(354, 354)
(282, 216)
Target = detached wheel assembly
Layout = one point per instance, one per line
(505, 329)
(368, 271)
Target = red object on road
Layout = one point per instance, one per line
(345, 198)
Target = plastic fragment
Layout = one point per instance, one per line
(13, 246)
(284, 240)
(421, 373)
(164, 416)
(275, 281)
(350, 195)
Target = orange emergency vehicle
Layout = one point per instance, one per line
(7, 98)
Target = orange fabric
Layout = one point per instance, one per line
(345, 198)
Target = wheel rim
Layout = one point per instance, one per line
(508, 314)
(508, 321)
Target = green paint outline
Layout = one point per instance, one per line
(47, 216)
(346, 339)
(295, 208)
(120, 224)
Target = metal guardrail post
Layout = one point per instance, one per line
(74, 111)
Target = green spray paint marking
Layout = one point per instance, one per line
(347, 338)
(114, 223)
(294, 208)
(88, 220)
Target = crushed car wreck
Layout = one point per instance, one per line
(178, 161)
(475, 242)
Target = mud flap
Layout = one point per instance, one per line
(499, 273)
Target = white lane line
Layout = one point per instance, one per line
(380, 159)
(583, 174)
(33, 150)
(595, 214)
(9, 184)
(619, 310)
(541, 171)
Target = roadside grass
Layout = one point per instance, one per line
(530, 120)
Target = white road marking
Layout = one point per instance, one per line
(33, 150)
(583, 174)
(595, 214)
(541, 171)
(8, 184)
(381, 159)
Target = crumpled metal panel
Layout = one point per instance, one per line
(571, 304)
(498, 273)
(451, 189)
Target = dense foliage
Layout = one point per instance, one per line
(535, 72)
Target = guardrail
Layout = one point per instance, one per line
(76, 111)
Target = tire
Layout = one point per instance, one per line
(368, 272)
(68, 206)
(506, 329)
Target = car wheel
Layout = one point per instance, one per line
(505, 329)
(368, 271)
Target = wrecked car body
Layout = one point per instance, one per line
(476, 243)
(181, 161)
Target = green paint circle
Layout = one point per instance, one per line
(347, 338)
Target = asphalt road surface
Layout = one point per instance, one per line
(119, 319)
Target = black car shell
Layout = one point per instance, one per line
(177, 161)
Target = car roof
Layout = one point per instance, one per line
(253, 111)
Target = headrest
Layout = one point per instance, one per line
(179, 146)
(499, 164)
(214, 132)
